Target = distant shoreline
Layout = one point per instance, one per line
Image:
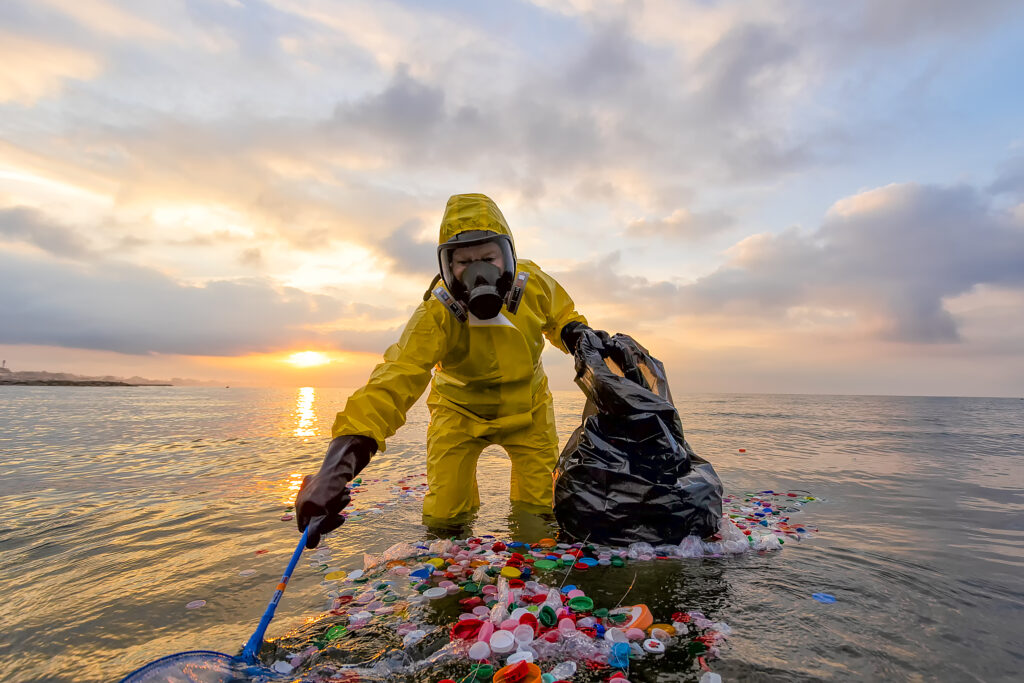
(69, 383)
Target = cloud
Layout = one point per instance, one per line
(882, 264)
(251, 257)
(134, 310)
(891, 256)
(365, 340)
(407, 111)
(682, 224)
(409, 250)
(23, 224)
(31, 69)
(106, 18)
(1010, 178)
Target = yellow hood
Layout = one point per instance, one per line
(472, 212)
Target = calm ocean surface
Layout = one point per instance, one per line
(122, 505)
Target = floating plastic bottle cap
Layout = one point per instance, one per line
(511, 572)
(435, 593)
(564, 670)
(589, 561)
(518, 613)
(484, 672)
(544, 565)
(619, 657)
(466, 629)
(523, 634)
(520, 672)
(530, 619)
(824, 597)
(663, 633)
(581, 604)
(634, 633)
(357, 574)
(336, 576)
(336, 632)
(570, 587)
(653, 645)
(502, 642)
(640, 617)
(479, 650)
(485, 632)
(615, 635)
(547, 616)
(568, 558)
(520, 656)
(471, 587)
(195, 604)
(566, 625)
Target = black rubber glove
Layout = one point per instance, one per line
(325, 494)
(572, 332)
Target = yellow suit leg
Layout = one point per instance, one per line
(451, 466)
(533, 452)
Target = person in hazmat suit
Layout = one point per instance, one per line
(481, 331)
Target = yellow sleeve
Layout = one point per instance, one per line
(378, 409)
(561, 310)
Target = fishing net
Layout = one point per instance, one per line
(196, 666)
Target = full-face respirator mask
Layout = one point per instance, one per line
(487, 280)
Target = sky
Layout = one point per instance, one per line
(774, 196)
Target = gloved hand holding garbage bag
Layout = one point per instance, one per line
(574, 331)
(324, 495)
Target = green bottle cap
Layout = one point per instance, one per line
(581, 604)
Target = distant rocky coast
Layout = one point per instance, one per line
(64, 379)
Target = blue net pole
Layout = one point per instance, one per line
(252, 647)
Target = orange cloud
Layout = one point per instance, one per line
(32, 69)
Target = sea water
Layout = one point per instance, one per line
(138, 522)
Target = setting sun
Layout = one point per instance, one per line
(307, 359)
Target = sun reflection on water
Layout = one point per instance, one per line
(292, 486)
(306, 425)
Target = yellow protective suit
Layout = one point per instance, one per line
(488, 383)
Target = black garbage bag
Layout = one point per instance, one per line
(627, 473)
